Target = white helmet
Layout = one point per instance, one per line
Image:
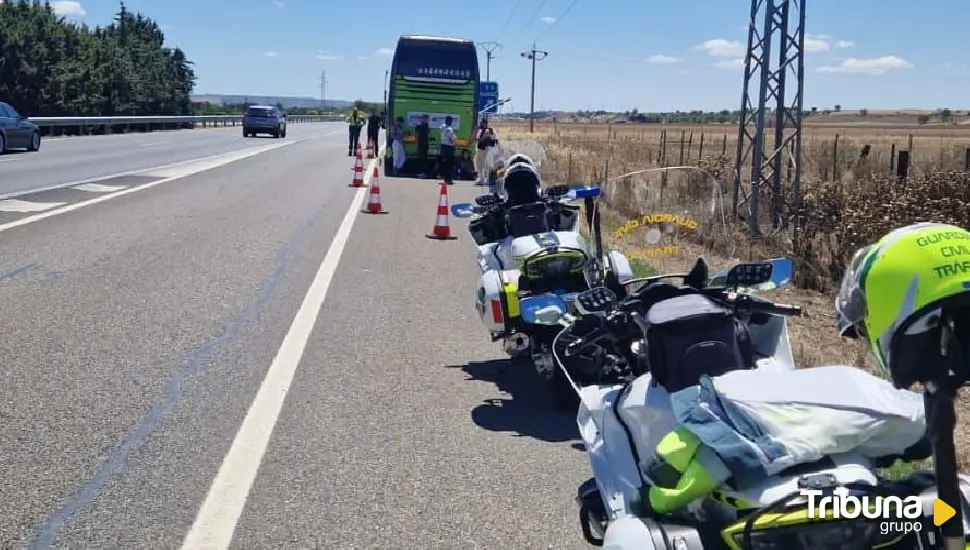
(519, 158)
(522, 185)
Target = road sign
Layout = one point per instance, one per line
(488, 95)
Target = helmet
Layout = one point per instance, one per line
(522, 184)
(908, 296)
(519, 159)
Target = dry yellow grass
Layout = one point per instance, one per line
(847, 201)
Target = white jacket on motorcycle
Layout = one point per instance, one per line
(761, 422)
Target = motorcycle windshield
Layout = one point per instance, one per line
(507, 147)
(664, 219)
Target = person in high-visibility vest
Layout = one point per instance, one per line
(355, 121)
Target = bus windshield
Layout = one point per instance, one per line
(437, 60)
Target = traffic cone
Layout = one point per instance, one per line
(370, 149)
(358, 171)
(441, 231)
(374, 197)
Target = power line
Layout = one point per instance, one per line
(511, 14)
(569, 8)
(531, 19)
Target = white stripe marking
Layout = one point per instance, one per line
(154, 143)
(131, 172)
(187, 171)
(216, 521)
(13, 205)
(99, 187)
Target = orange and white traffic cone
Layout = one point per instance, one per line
(441, 231)
(358, 171)
(374, 197)
(370, 149)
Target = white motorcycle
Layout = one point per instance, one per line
(638, 359)
(623, 425)
(534, 260)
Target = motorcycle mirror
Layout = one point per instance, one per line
(595, 300)
(749, 274)
(782, 270)
(462, 210)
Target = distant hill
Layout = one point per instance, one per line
(287, 102)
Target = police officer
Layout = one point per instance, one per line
(355, 121)
(373, 129)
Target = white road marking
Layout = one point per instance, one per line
(216, 521)
(13, 205)
(99, 187)
(140, 171)
(154, 143)
(14, 157)
(187, 169)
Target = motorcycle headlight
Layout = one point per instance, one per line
(824, 535)
(554, 265)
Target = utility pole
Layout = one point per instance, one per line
(386, 74)
(490, 49)
(533, 55)
(323, 89)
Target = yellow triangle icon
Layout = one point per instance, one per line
(942, 512)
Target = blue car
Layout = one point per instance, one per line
(16, 132)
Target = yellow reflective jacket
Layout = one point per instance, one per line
(355, 118)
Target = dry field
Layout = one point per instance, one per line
(848, 201)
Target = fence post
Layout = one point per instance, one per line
(835, 159)
(892, 158)
(966, 159)
(723, 145)
(700, 151)
(663, 148)
(682, 137)
(902, 165)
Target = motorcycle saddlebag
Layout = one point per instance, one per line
(691, 336)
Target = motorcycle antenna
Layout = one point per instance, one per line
(939, 398)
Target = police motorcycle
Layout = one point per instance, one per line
(534, 261)
(664, 443)
(699, 430)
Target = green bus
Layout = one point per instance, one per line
(435, 76)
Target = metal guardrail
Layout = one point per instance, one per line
(83, 125)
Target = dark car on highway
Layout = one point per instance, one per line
(16, 132)
(264, 119)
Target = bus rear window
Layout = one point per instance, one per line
(437, 60)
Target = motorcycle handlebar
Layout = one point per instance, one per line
(746, 303)
(754, 304)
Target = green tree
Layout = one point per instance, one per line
(51, 67)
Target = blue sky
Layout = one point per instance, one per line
(609, 54)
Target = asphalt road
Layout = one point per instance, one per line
(78, 159)
(140, 330)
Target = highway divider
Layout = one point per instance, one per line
(101, 125)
